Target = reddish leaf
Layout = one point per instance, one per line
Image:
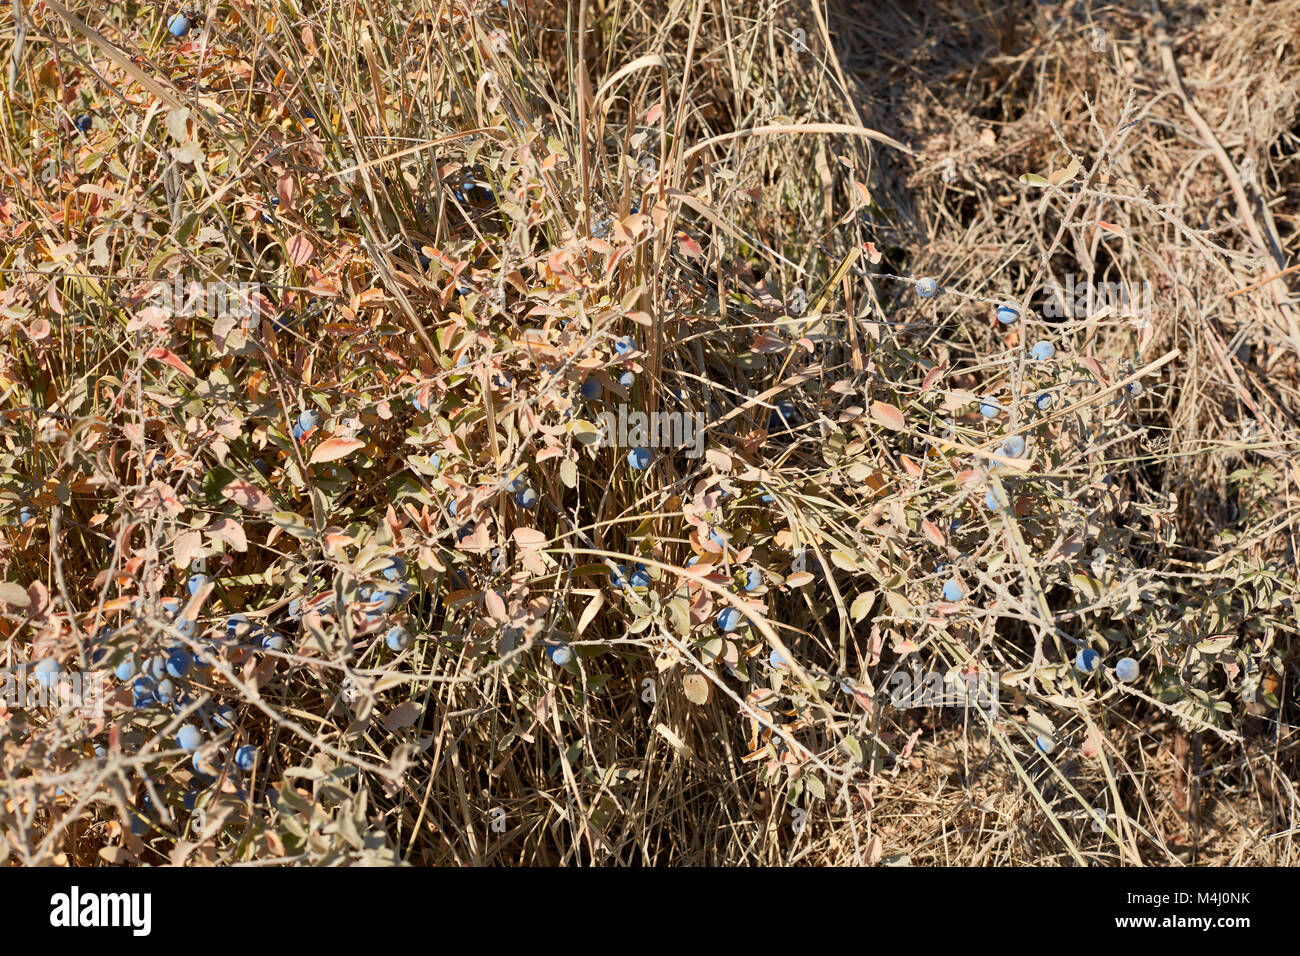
(167, 357)
(300, 250)
(231, 532)
(247, 495)
(332, 449)
(882, 413)
(933, 376)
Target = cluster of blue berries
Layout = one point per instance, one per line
(525, 494)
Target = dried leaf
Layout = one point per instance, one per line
(332, 449)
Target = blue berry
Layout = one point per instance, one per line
(202, 766)
(640, 577)
(26, 516)
(178, 25)
(398, 638)
(640, 458)
(83, 123)
(191, 799)
(1013, 447)
(1044, 401)
(245, 757)
(47, 672)
(1127, 670)
(237, 625)
(952, 591)
(125, 669)
(1008, 314)
(224, 716)
(142, 691)
(308, 419)
(189, 738)
(527, 498)
(624, 345)
(990, 407)
(728, 619)
(926, 288)
(166, 692)
(1042, 351)
(993, 501)
(518, 483)
(560, 654)
(272, 641)
(753, 579)
(627, 379)
(297, 431)
(1045, 744)
(777, 660)
(179, 661)
(393, 570)
(591, 389)
(1087, 660)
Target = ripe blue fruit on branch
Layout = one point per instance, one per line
(1127, 670)
(1044, 401)
(526, 498)
(189, 738)
(195, 582)
(245, 757)
(178, 25)
(1045, 744)
(1042, 351)
(142, 691)
(624, 345)
(1087, 660)
(1012, 447)
(990, 407)
(753, 579)
(166, 692)
(640, 458)
(178, 662)
(591, 389)
(952, 590)
(560, 654)
(728, 619)
(777, 660)
(47, 672)
(926, 288)
(398, 638)
(1008, 314)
